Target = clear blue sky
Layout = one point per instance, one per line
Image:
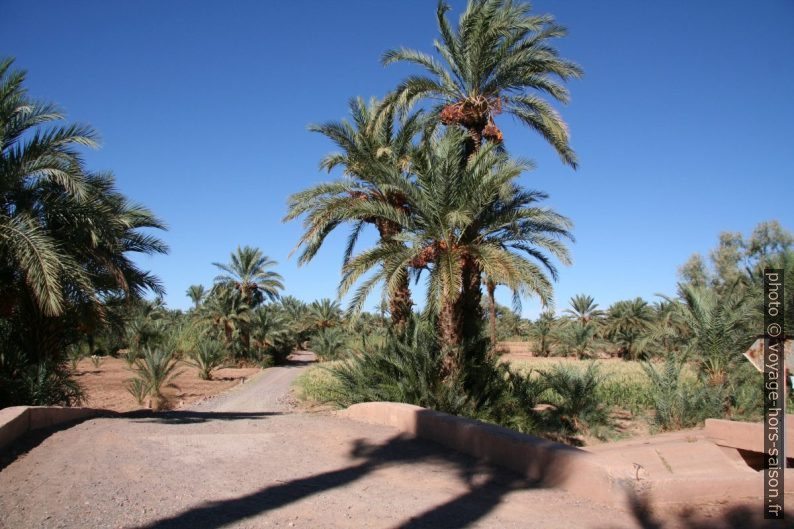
(683, 122)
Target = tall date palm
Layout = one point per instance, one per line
(465, 211)
(375, 154)
(498, 59)
(248, 272)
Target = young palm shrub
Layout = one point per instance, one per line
(137, 388)
(75, 353)
(543, 332)
(156, 369)
(329, 344)
(96, 361)
(575, 396)
(577, 338)
(207, 356)
(680, 401)
(406, 368)
(130, 355)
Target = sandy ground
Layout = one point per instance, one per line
(104, 386)
(249, 459)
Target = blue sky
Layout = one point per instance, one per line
(683, 123)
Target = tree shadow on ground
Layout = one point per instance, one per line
(190, 417)
(487, 485)
(713, 517)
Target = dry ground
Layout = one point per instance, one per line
(249, 459)
(104, 386)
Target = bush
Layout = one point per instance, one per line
(407, 368)
(680, 401)
(575, 396)
(24, 382)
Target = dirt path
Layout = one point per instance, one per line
(248, 459)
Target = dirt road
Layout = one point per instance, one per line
(249, 459)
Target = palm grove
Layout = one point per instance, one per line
(426, 167)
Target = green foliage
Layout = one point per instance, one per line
(680, 401)
(96, 361)
(329, 344)
(408, 368)
(578, 338)
(137, 388)
(130, 355)
(500, 58)
(156, 370)
(542, 332)
(67, 236)
(575, 395)
(628, 325)
(325, 313)
(248, 273)
(25, 382)
(75, 353)
(207, 356)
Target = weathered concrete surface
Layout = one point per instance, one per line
(17, 421)
(683, 468)
(686, 467)
(545, 462)
(745, 435)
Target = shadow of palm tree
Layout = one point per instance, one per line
(460, 511)
(724, 517)
(189, 417)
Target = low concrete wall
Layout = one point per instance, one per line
(544, 462)
(745, 435)
(16, 421)
(605, 477)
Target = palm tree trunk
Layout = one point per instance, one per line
(491, 286)
(449, 327)
(400, 300)
(470, 300)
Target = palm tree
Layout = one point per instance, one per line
(32, 157)
(719, 326)
(248, 273)
(498, 59)
(578, 337)
(628, 324)
(374, 154)
(465, 215)
(268, 325)
(583, 309)
(669, 329)
(65, 233)
(228, 313)
(543, 332)
(196, 293)
(325, 313)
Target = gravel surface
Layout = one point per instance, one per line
(250, 459)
